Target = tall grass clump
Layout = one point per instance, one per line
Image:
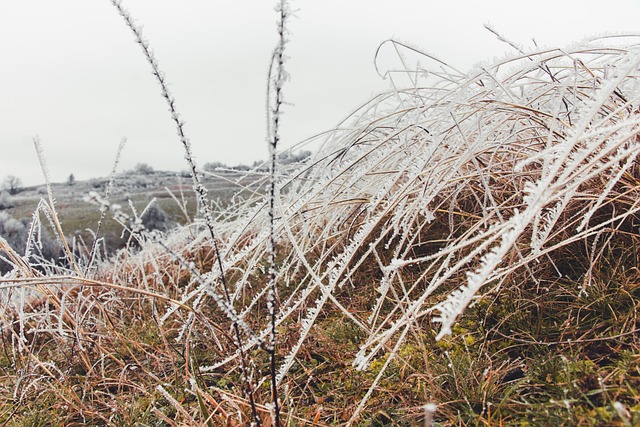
(468, 243)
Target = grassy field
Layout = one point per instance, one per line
(530, 353)
(168, 190)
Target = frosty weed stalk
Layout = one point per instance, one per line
(198, 187)
(276, 83)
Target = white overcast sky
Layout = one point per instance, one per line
(71, 73)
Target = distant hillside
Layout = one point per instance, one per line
(170, 193)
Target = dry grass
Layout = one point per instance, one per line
(501, 206)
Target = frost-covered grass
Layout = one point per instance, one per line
(471, 243)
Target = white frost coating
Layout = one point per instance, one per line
(629, 159)
(460, 298)
(306, 324)
(543, 225)
(463, 183)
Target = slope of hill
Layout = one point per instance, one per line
(169, 192)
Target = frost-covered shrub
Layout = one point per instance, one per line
(41, 246)
(143, 169)
(155, 218)
(12, 184)
(6, 201)
(140, 182)
(14, 231)
(97, 183)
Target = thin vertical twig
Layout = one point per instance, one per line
(103, 212)
(276, 84)
(57, 227)
(198, 187)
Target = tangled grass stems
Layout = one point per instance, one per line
(502, 205)
(478, 157)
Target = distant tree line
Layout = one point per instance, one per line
(284, 158)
